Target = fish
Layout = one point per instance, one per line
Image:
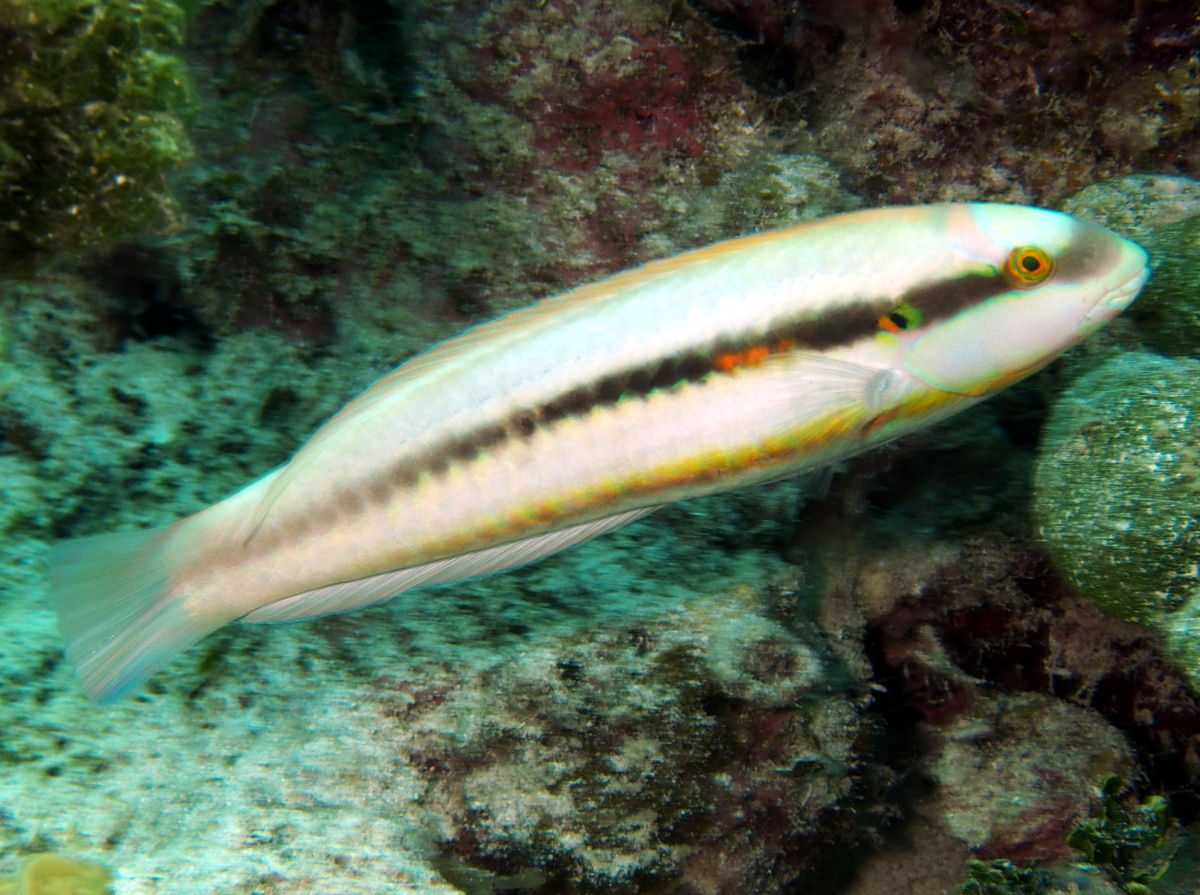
(744, 362)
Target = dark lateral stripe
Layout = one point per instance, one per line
(837, 327)
(938, 301)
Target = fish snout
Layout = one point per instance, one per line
(1136, 266)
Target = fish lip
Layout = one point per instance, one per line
(1117, 300)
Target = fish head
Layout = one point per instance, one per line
(1026, 284)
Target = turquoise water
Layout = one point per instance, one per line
(849, 683)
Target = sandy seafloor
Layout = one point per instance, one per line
(305, 792)
(300, 788)
(284, 771)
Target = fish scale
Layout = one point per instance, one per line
(741, 363)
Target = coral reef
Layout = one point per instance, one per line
(522, 149)
(91, 107)
(602, 720)
(996, 616)
(346, 150)
(914, 102)
(758, 693)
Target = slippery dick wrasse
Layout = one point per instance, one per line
(744, 362)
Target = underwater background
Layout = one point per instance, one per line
(969, 663)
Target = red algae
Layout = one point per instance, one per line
(602, 78)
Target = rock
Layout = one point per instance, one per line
(1137, 204)
(1163, 215)
(1115, 494)
(1017, 771)
(705, 751)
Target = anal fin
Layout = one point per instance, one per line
(349, 595)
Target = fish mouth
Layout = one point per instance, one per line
(1117, 300)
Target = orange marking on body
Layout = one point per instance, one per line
(885, 322)
(756, 355)
(752, 356)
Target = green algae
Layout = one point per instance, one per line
(1003, 877)
(92, 101)
(1122, 850)
(1120, 844)
(48, 874)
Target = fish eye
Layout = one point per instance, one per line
(903, 317)
(1028, 265)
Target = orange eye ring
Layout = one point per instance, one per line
(1028, 265)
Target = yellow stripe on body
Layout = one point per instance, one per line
(820, 441)
(660, 483)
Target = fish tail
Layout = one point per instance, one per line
(117, 609)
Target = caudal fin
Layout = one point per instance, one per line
(116, 609)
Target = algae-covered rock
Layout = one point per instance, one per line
(1163, 215)
(709, 749)
(1014, 769)
(1136, 204)
(1168, 312)
(1116, 491)
(90, 104)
